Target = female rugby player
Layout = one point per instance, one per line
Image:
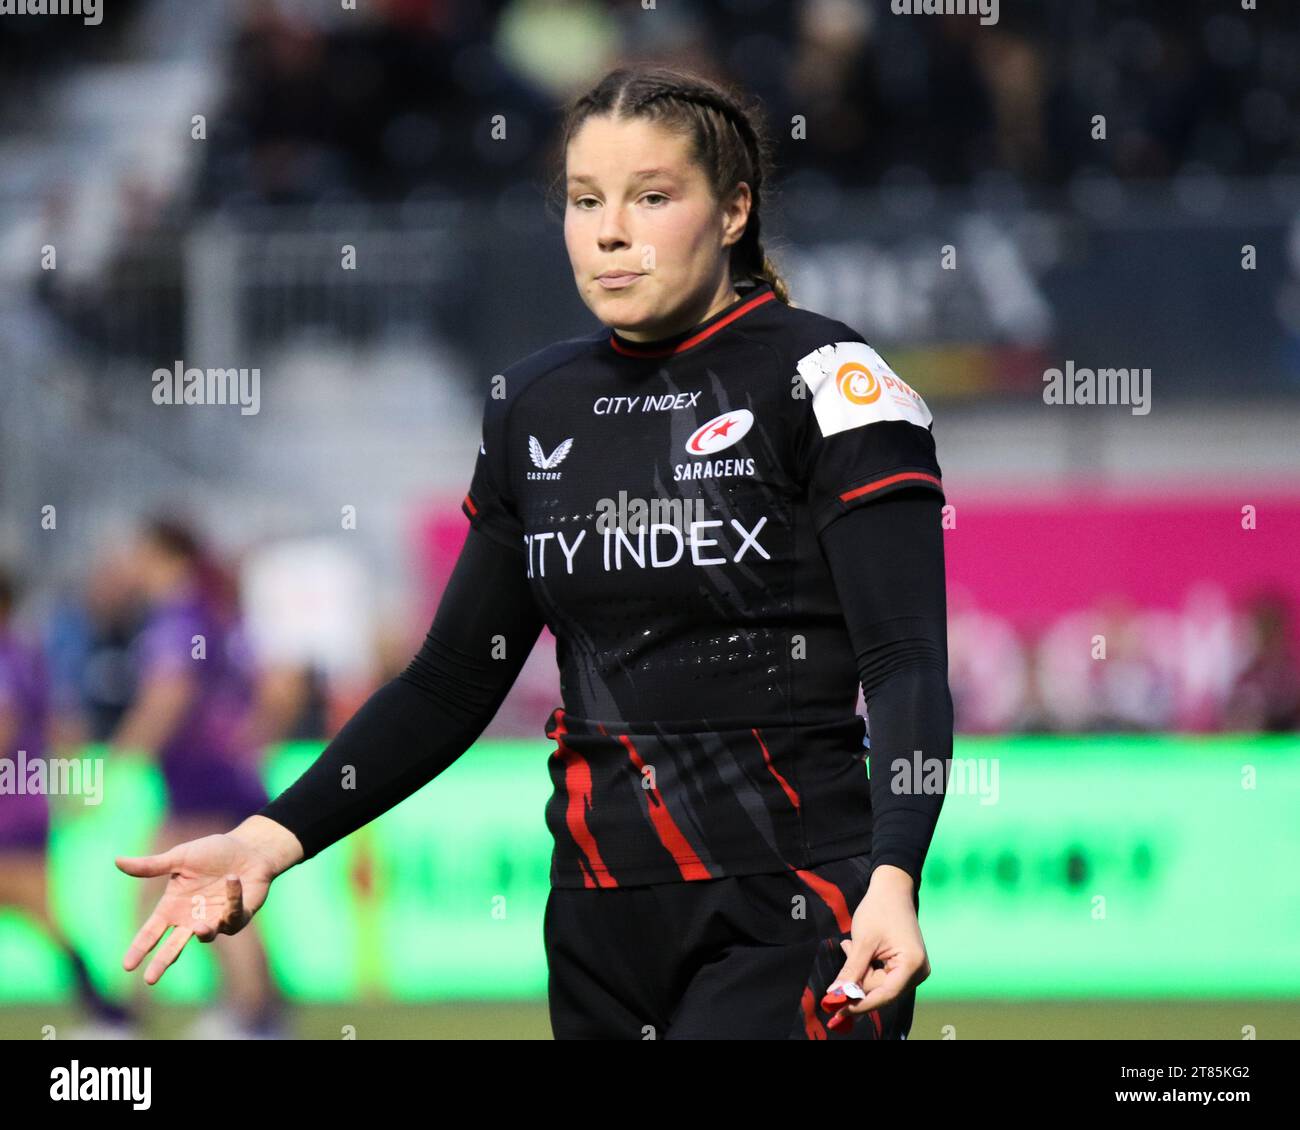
(722, 865)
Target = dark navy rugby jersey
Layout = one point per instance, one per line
(666, 500)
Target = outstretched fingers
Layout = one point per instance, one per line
(170, 952)
(145, 939)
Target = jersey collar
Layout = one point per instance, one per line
(751, 297)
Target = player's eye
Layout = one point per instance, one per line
(584, 200)
(658, 194)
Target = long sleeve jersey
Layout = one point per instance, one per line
(726, 530)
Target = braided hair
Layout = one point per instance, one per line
(727, 138)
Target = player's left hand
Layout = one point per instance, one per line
(886, 954)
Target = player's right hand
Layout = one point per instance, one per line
(217, 883)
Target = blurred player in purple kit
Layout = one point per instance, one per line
(190, 712)
(25, 816)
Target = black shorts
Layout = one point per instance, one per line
(747, 957)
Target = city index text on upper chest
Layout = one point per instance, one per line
(617, 405)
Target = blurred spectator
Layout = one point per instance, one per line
(399, 101)
(87, 639)
(987, 668)
(1118, 667)
(1266, 695)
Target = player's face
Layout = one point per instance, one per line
(637, 204)
(153, 570)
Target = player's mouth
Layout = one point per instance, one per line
(617, 280)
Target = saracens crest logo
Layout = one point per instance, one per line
(545, 462)
(719, 433)
(722, 431)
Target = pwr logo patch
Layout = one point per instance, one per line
(853, 385)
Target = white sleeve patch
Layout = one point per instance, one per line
(852, 385)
